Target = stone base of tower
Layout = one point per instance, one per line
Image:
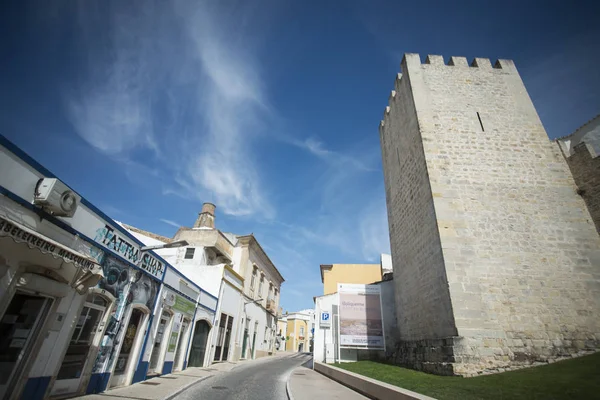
(470, 357)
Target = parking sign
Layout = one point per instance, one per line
(325, 319)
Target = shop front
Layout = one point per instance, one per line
(172, 333)
(181, 327)
(78, 294)
(135, 293)
(42, 282)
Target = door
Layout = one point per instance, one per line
(253, 351)
(177, 366)
(158, 348)
(19, 329)
(245, 341)
(199, 344)
(226, 343)
(300, 347)
(73, 365)
(220, 336)
(125, 360)
(223, 337)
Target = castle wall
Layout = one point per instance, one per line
(582, 150)
(519, 252)
(422, 298)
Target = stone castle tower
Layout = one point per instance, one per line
(500, 260)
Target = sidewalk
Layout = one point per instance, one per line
(306, 384)
(168, 386)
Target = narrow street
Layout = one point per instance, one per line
(260, 380)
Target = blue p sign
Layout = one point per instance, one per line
(325, 316)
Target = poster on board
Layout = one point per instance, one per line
(360, 317)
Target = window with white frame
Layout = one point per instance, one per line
(302, 331)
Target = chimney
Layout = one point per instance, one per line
(206, 218)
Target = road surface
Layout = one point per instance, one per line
(263, 379)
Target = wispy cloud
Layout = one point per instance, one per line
(333, 158)
(111, 109)
(374, 230)
(169, 83)
(169, 222)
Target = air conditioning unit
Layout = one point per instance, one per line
(55, 197)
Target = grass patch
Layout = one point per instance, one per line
(578, 378)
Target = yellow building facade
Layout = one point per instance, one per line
(332, 274)
(299, 331)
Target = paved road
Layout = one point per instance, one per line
(263, 379)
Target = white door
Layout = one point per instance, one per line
(78, 353)
(181, 346)
(159, 345)
(19, 328)
(126, 360)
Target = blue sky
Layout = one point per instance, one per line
(269, 109)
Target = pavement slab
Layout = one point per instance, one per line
(306, 384)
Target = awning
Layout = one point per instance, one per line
(40, 254)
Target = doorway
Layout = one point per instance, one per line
(199, 342)
(223, 337)
(75, 360)
(126, 359)
(19, 327)
(253, 351)
(177, 364)
(159, 344)
(300, 347)
(245, 341)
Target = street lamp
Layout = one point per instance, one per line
(172, 245)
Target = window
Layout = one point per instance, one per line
(270, 295)
(302, 331)
(253, 280)
(480, 123)
(260, 285)
(189, 253)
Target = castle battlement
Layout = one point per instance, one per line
(478, 62)
(432, 60)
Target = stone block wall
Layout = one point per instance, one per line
(422, 297)
(584, 161)
(484, 218)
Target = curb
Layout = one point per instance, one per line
(366, 386)
(288, 391)
(186, 387)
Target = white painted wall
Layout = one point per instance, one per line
(324, 341)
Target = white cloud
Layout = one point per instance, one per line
(169, 222)
(333, 158)
(170, 84)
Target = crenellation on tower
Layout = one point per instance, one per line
(481, 63)
(434, 60)
(484, 216)
(458, 62)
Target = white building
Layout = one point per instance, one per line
(237, 271)
(78, 292)
(326, 335)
